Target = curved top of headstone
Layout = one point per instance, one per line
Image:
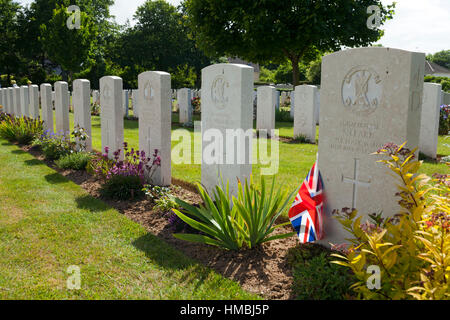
(360, 51)
(227, 65)
(111, 77)
(81, 80)
(155, 72)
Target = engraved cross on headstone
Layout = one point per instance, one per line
(356, 182)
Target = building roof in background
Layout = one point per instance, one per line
(433, 68)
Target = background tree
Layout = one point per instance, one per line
(9, 55)
(37, 16)
(274, 30)
(158, 41)
(70, 48)
(441, 58)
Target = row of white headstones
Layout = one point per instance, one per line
(306, 110)
(369, 97)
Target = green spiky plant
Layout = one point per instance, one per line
(232, 223)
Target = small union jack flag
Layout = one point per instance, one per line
(306, 211)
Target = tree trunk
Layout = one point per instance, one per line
(295, 71)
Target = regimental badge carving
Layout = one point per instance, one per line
(148, 91)
(106, 91)
(218, 92)
(362, 90)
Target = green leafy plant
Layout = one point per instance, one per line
(120, 187)
(300, 138)
(412, 248)
(315, 278)
(95, 109)
(57, 145)
(444, 120)
(230, 223)
(75, 161)
(23, 129)
(283, 115)
(54, 145)
(161, 196)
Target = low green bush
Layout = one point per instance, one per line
(443, 81)
(411, 248)
(283, 115)
(22, 130)
(301, 138)
(75, 161)
(54, 145)
(444, 120)
(120, 187)
(315, 277)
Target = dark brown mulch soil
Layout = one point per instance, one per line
(263, 270)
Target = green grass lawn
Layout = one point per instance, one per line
(48, 223)
(295, 159)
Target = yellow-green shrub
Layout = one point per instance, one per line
(412, 248)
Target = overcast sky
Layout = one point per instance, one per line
(418, 25)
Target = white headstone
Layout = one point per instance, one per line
(317, 107)
(47, 106)
(135, 103)
(17, 104)
(369, 97)
(429, 123)
(292, 98)
(184, 96)
(34, 101)
(446, 98)
(7, 101)
(226, 106)
(81, 101)
(304, 114)
(24, 101)
(95, 97)
(125, 102)
(11, 100)
(266, 104)
(276, 98)
(155, 121)
(2, 103)
(3, 99)
(62, 108)
(111, 114)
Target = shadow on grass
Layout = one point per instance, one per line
(131, 124)
(161, 253)
(33, 162)
(18, 151)
(91, 204)
(429, 160)
(7, 144)
(55, 178)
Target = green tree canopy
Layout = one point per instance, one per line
(158, 41)
(274, 30)
(9, 57)
(441, 58)
(70, 48)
